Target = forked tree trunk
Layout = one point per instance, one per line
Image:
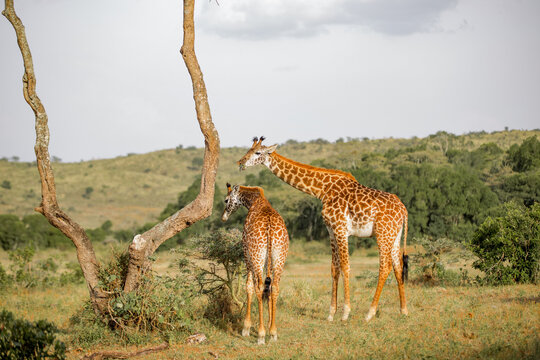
(143, 245)
(200, 208)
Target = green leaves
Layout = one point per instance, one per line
(160, 303)
(21, 339)
(508, 247)
(526, 156)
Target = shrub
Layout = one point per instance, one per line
(28, 274)
(309, 221)
(12, 232)
(196, 163)
(87, 192)
(100, 233)
(43, 234)
(6, 280)
(160, 303)
(21, 339)
(97, 234)
(526, 156)
(430, 267)
(508, 247)
(124, 235)
(6, 184)
(523, 187)
(215, 264)
(223, 250)
(21, 266)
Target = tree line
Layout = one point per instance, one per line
(449, 200)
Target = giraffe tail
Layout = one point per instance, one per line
(267, 288)
(405, 273)
(268, 281)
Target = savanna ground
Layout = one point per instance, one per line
(444, 322)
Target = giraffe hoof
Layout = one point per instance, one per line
(260, 341)
(404, 312)
(346, 311)
(370, 314)
(330, 318)
(273, 338)
(245, 332)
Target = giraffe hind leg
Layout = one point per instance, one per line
(249, 291)
(385, 265)
(398, 272)
(259, 293)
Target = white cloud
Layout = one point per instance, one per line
(265, 19)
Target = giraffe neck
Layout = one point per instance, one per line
(250, 194)
(309, 179)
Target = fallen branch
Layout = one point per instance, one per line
(124, 355)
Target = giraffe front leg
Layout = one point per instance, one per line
(343, 251)
(249, 291)
(335, 279)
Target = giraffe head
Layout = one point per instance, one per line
(258, 154)
(232, 201)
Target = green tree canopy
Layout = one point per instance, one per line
(526, 156)
(508, 247)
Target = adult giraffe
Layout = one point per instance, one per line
(349, 208)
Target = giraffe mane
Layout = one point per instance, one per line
(253, 189)
(310, 167)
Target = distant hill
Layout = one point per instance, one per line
(134, 189)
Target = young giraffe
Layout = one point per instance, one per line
(348, 209)
(265, 241)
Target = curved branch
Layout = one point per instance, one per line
(144, 245)
(124, 355)
(49, 206)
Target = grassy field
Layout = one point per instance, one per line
(132, 190)
(444, 322)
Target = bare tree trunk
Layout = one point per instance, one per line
(146, 244)
(49, 205)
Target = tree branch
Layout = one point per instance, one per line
(144, 245)
(49, 206)
(124, 355)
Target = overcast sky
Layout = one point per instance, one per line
(112, 81)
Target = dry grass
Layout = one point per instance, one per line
(444, 322)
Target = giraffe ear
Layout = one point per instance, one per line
(236, 187)
(270, 149)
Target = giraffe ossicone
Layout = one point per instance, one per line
(265, 242)
(349, 208)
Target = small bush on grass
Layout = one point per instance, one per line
(21, 339)
(508, 247)
(6, 280)
(27, 273)
(430, 268)
(21, 266)
(215, 263)
(161, 306)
